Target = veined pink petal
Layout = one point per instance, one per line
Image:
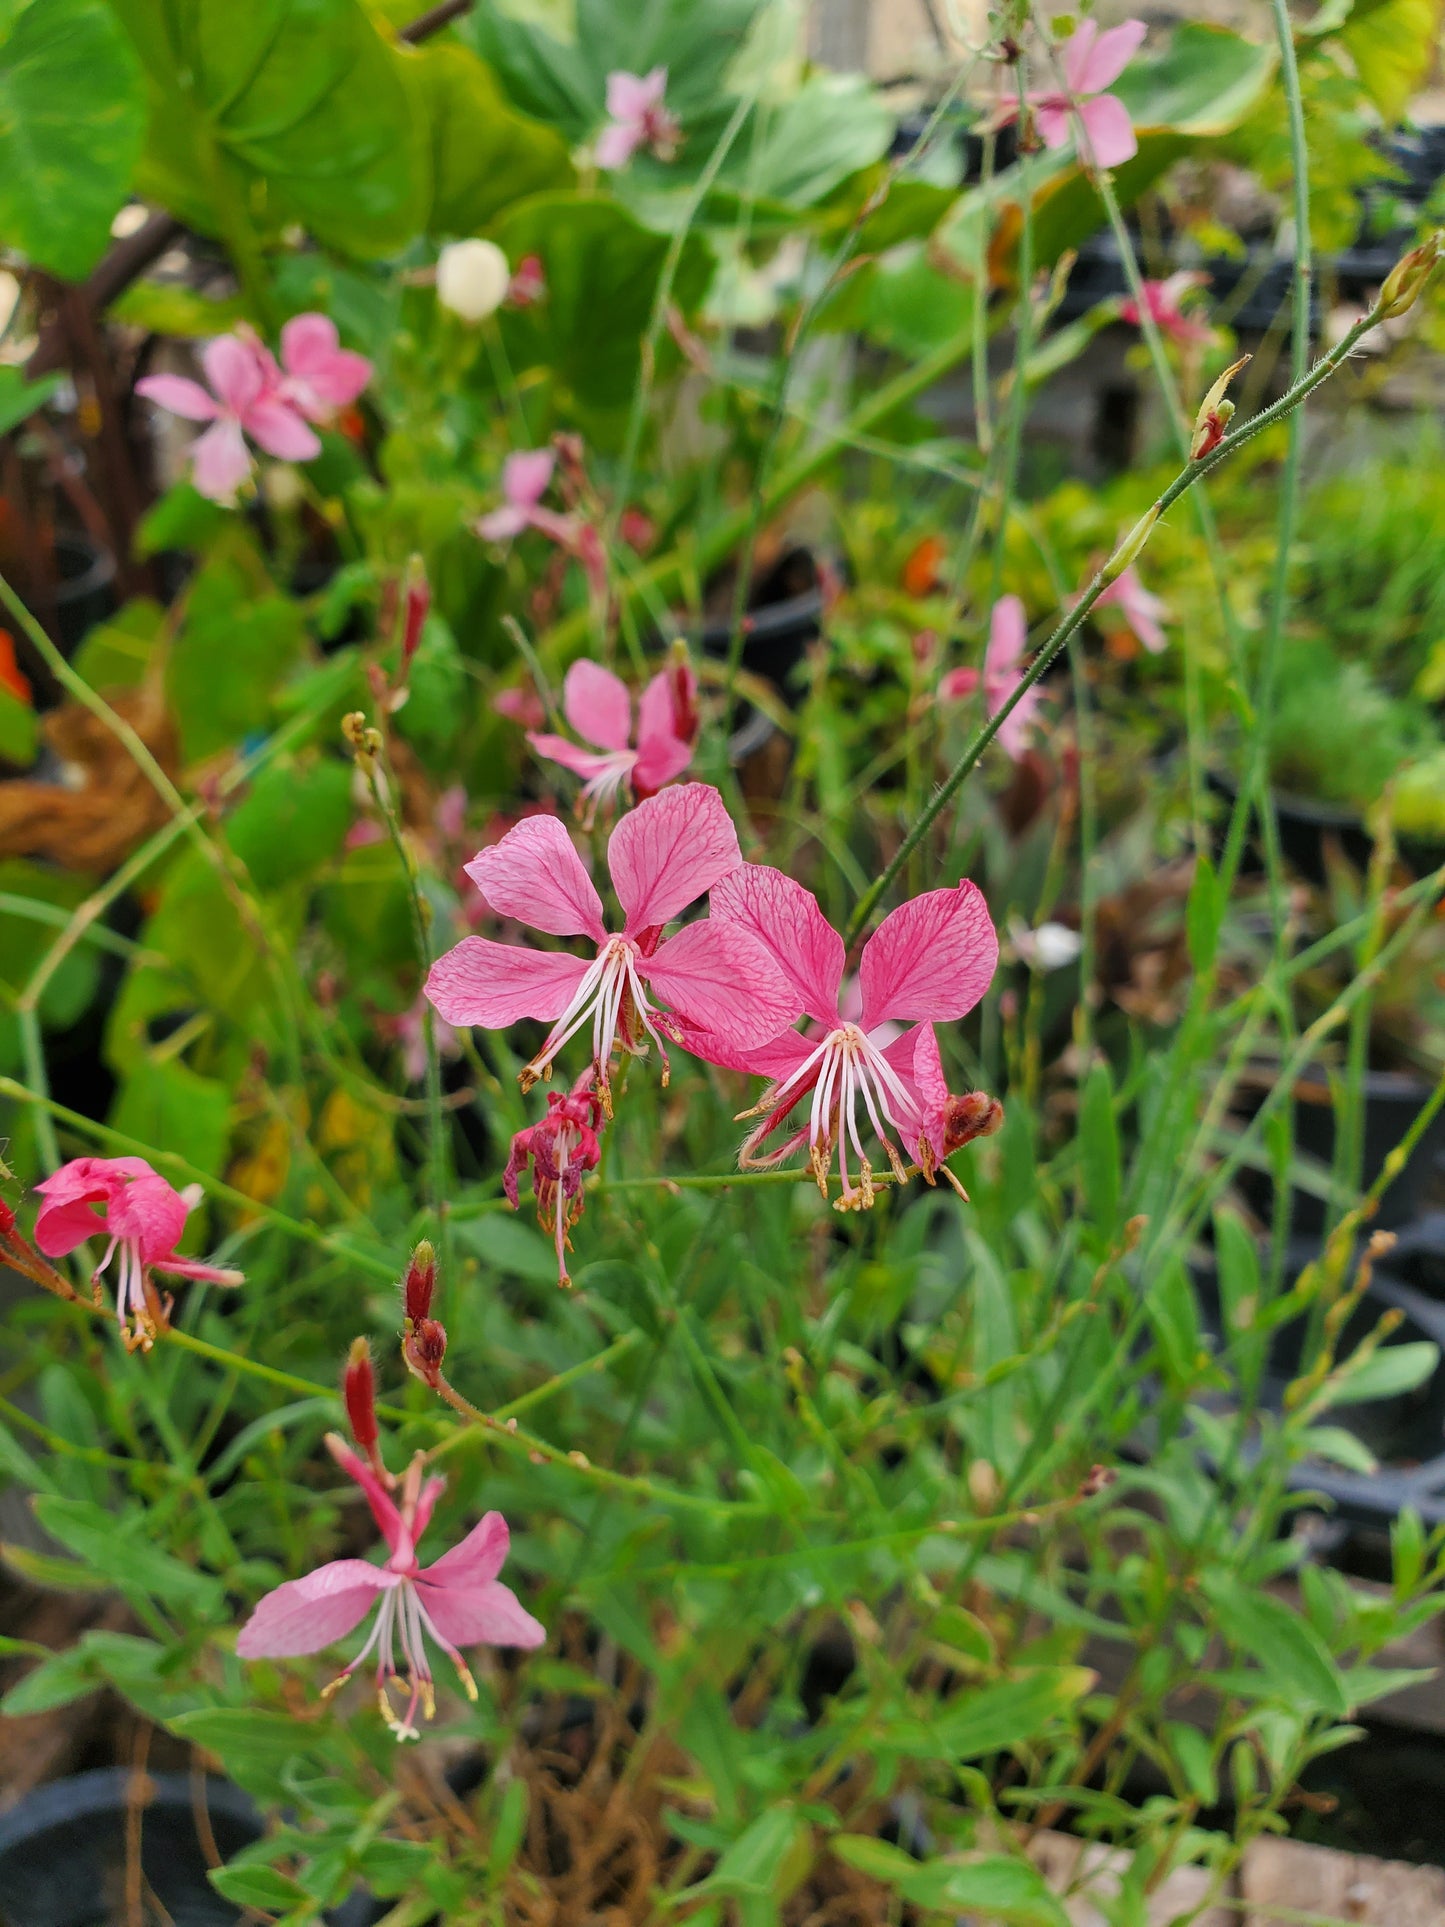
(586, 763)
(1094, 60)
(659, 760)
(667, 851)
(525, 476)
(932, 958)
(1109, 129)
(500, 525)
(305, 1615)
(477, 1560)
(1051, 118)
(67, 1217)
(776, 1059)
(432, 1489)
(175, 1267)
(535, 875)
(220, 460)
(915, 1057)
(180, 395)
(476, 1615)
(389, 1522)
(276, 426)
(494, 984)
(786, 918)
(617, 143)
(1007, 634)
(237, 371)
(720, 978)
(597, 705)
(630, 95)
(150, 1212)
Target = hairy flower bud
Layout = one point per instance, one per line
(1405, 280)
(420, 1283)
(1215, 414)
(1129, 549)
(472, 279)
(358, 1390)
(424, 1349)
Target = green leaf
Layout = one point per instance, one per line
(1204, 914)
(1099, 1150)
(1174, 1318)
(988, 1719)
(20, 398)
(1393, 44)
(506, 1243)
(71, 122)
(602, 270)
(167, 308)
(994, 1887)
(1334, 1443)
(1195, 1756)
(19, 730)
(239, 639)
(484, 154)
(1385, 1373)
(56, 1681)
(114, 1549)
(165, 1104)
(756, 1859)
(1202, 83)
(507, 1830)
(294, 818)
(1290, 1652)
(437, 705)
(261, 1887)
(116, 654)
(291, 110)
(182, 519)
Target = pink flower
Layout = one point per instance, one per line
(1163, 300)
(563, 1148)
(639, 119)
(1007, 630)
(662, 856)
(1140, 608)
(321, 376)
(249, 396)
(597, 705)
(1092, 61)
(931, 959)
(528, 284)
(456, 1601)
(143, 1216)
(526, 477)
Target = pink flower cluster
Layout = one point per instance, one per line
(252, 398)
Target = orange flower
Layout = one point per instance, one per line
(921, 570)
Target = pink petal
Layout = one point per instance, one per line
(328, 374)
(1054, 125)
(719, 978)
(597, 705)
(483, 1615)
(305, 1615)
(930, 959)
(1110, 131)
(177, 1267)
(525, 476)
(617, 143)
(629, 96)
(667, 708)
(778, 1058)
(389, 1522)
(220, 461)
(432, 1489)
(957, 684)
(180, 396)
(585, 763)
(1092, 64)
(67, 1218)
(667, 851)
(495, 984)
(1007, 633)
(477, 1560)
(150, 1212)
(500, 525)
(238, 371)
(787, 920)
(915, 1057)
(659, 760)
(535, 875)
(276, 426)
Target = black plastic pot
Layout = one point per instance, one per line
(63, 1851)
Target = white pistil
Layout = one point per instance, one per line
(847, 1067)
(611, 978)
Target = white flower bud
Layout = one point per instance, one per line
(472, 278)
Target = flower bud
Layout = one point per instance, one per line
(418, 602)
(358, 1389)
(7, 1219)
(1215, 414)
(1130, 548)
(472, 279)
(424, 1349)
(1405, 280)
(528, 284)
(419, 1283)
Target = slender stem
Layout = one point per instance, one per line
(1182, 483)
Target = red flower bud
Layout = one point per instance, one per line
(358, 1389)
(7, 1219)
(425, 1348)
(419, 1283)
(418, 602)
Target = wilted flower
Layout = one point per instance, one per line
(1092, 61)
(663, 855)
(456, 1601)
(639, 119)
(143, 1217)
(1163, 300)
(562, 1148)
(250, 396)
(598, 706)
(473, 279)
(931, 959)
(1002, 667)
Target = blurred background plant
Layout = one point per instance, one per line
(875, 1549)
